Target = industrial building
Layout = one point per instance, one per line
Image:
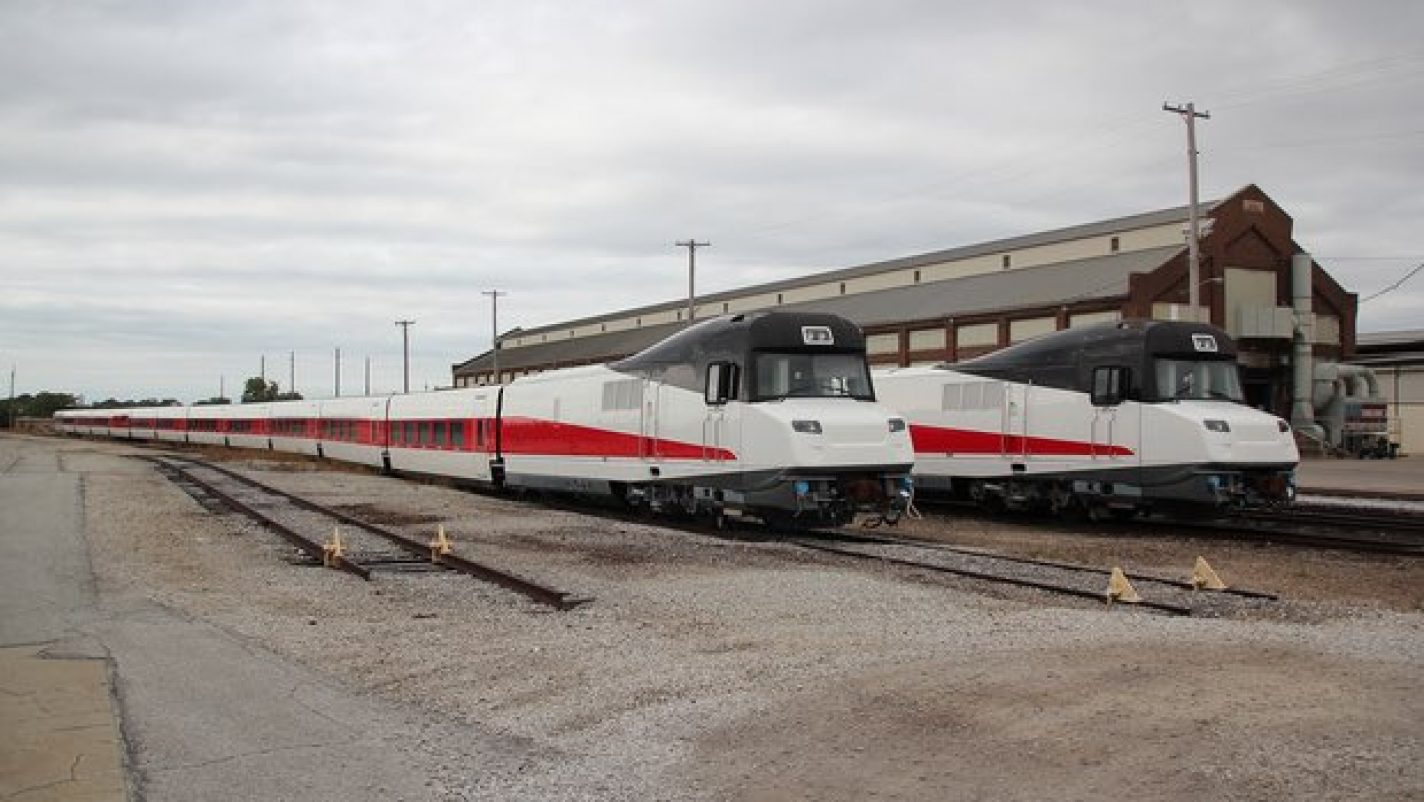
(958, 303)
(1397, 360)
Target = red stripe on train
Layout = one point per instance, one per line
(530, 436)
(942, 440)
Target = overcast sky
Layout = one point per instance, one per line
(188, 186)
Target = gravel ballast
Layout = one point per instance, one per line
(713, 669)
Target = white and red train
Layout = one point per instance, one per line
(1121, 417)
(767, 414)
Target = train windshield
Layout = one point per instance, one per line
(1190, 379)
(801, 375)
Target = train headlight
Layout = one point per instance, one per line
(806, 426)
(1283, 426)
(897, 425)
(1213, 425)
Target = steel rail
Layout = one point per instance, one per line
(1027, 583)
(548, 596)
(1086, 569)
(311, 547)
(1255, 529)
(1410, 523)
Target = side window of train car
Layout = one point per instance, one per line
(457, 434)
(1109, 385)
(721, 384)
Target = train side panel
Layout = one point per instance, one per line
(350, 429)
(449, 433)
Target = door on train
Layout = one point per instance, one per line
(1115, 426)
(1014, 443)
(648, 433)
(722, 418)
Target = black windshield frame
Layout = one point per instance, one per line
(777, 375)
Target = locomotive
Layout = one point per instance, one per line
(1114, 418)
(769, 414)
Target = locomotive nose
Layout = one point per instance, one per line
(843, 433)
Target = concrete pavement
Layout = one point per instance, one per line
(203, 714)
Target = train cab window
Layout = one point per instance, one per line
(721, 384)
(1197, 380)
(1109, 385)
(802, 375)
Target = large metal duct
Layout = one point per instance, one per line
(1334, 385)
(1302, 372)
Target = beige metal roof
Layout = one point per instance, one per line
(1061, 283)
(1100, 228)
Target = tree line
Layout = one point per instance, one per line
(44, 404)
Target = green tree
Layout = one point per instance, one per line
(40, 405)
(257, 390)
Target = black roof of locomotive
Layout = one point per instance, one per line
(736, 336)
(1125, 338)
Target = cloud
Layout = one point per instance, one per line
(192, 185)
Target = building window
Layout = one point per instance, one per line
(778, 299)
(679, 315)
(842, 288)
(917, 277)
(640, 323)
(724, 307)
(1114, 244)
(1006, 261)
(603, 327)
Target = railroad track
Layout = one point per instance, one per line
(1362, 531)
(367, 547)
(1162, 594)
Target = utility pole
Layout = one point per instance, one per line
(405, 346)
(222, 386)
(1190, 114)
(691, 245)
(368, 376)
(494, 328)
(338, 373)
(262, 370)
(12, 396)
(292, 373)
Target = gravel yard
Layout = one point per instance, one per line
(714, 669)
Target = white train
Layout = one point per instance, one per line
(1119, 417)
(769, 414)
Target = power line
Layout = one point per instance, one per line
(1396, 285)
